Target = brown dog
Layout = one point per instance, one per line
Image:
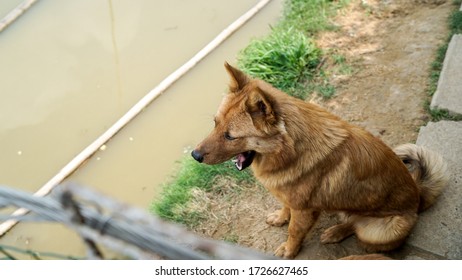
(312, 160)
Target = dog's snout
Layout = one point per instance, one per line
(197, 155)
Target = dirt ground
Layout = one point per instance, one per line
(389, 45)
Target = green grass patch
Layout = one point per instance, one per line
(436, 67)
(192, 175)
(455, 22)
(232, 238)
(287, 58)
(310, 16)
(326, 91)
(441, 114)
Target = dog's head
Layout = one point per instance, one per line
(246, 124)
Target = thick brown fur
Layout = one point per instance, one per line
(313, 161)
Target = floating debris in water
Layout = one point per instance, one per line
(102, 148)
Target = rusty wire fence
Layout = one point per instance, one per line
(101, 221)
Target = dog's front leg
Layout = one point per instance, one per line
(301, 222)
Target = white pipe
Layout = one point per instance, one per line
(134, 111)
(15, 13)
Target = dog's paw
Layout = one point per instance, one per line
(283, 251)
(278, 218)
(336, 233)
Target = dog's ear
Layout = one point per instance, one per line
(261, 106)
(238, 78)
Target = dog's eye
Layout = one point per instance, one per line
(228, 136)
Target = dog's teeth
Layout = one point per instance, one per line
(238, 165)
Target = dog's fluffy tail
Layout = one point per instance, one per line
(428, 170)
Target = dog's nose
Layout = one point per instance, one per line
(197, 156)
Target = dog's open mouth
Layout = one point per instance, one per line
(243, 160)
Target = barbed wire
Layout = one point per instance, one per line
(127, 230)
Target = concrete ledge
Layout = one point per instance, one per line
(448, 94)
(439, 229)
